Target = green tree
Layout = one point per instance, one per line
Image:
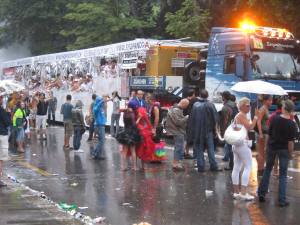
(102, 22)
(190, 20)
(36, 22)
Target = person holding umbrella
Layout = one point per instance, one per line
(242, 153)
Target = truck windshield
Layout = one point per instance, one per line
(274, 65)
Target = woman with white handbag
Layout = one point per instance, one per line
(237, 135)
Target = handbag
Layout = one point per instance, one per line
(235, 135)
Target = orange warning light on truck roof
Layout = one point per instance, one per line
(248, 26)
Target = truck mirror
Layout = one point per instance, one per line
(240, 66)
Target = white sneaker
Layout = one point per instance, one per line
(236, 195)
(246, 197)
(79, 151)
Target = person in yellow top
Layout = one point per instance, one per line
(19, 121)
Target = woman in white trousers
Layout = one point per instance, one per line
(242, 153)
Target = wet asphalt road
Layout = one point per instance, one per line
(158, 196)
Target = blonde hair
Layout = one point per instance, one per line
(243, 101)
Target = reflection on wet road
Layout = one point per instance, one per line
(158, 195)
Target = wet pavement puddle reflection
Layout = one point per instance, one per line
(158, 195)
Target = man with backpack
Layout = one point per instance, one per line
(227, 115)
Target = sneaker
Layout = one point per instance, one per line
(78, 151)
(283, 204)
(261, 198)
(178, 168)
(216, 169)
(236, 195)
(188, 156)
(228, 168)
(246, 197)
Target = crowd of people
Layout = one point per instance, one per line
(196, 122)
(193, 122)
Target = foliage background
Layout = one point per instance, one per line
(59, 25)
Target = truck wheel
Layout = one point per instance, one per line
(193, 75)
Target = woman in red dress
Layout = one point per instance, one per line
(147, 147)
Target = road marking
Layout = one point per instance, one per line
(34, 168)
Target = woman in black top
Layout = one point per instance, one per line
(282, 133)
(129, 137)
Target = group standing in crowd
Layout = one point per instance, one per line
(194, 123)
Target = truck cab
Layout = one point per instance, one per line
(249, 53)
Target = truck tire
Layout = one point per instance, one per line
(192, 72)
(193, 75)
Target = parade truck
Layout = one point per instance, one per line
(252, 53)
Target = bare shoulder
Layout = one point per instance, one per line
(240, 117)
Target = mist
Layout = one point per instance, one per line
(14, 51)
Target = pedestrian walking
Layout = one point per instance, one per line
(33, 110)
(100, 121)
(280, 143)
(155, 116)
(129, 137)
(27, 112)
(191, 96)
(227, 115)
(4, 126)
(262, 130)
(203, 124)
(176, 124)
(115, 116)
(242, 153)
(132, 95)
(66, 111)
(19, 122)
(78, 125)
(146, 149)
(140, 98)
(90, 119)
(41, 116)
(52, 101)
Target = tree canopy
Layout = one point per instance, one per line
(60, 25)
